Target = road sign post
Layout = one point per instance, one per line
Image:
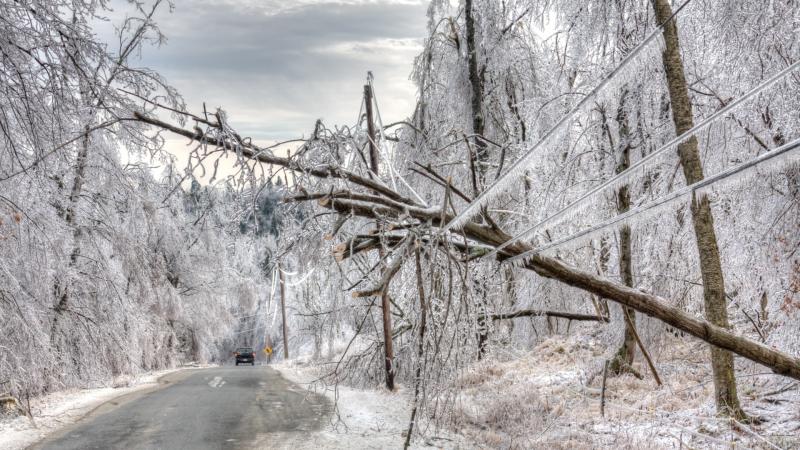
(268, 352)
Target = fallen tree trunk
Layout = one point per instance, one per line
(652, 305)
(400, 206)
(262, 155)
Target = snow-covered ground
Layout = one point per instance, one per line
(363, 418)
(550, 398)
(56, 410)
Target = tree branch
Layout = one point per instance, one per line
(539, 313)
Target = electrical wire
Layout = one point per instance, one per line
(474, 207)
(616, 179)
(691, 189)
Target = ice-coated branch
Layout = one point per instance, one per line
(540, 313)
(785, 151)
(646, 303)
(623, 176)
(519, 166)
(391, 270)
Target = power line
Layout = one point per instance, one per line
(473, 208)
(691, 189)
(392, 172)
(626, 173)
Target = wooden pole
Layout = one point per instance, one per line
(374, 156)
(283, 315)
(385, 304)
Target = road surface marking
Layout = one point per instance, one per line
(216, 382)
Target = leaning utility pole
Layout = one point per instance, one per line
(385, 304)
(283, 315)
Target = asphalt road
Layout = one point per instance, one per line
(221, 408)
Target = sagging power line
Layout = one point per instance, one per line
(784, 150)
(519, 165)
(622, 176)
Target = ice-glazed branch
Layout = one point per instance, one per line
(390, 271)
(252, 151)
(540, 313)
(367, 206)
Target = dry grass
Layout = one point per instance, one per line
(550, 398)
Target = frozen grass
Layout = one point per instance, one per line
(59, 409)
(550, 398)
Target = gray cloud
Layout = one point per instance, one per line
(277, 66)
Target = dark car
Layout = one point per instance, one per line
(245, 355)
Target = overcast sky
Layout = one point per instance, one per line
(278, 65)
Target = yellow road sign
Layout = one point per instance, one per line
(268, 350)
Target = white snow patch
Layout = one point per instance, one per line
(363, 418)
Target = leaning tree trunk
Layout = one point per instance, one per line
(710, 266)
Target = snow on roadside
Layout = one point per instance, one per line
(54, 411)
(363, 419)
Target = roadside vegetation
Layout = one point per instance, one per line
(585, 234)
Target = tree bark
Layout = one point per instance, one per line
(476, 87)
(480, 158)
(623, 359)
(722, 364)
(62, 288)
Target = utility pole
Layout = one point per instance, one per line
(385, 304)
(283, 314)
